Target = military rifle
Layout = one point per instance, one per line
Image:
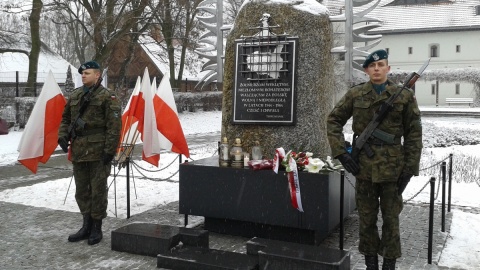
(371, 129)
(79, 123)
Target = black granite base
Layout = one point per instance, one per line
(250, 229)
(185, 248)
(188, 258)
(153, 239)
(261, 254)
(228, 196)
(283, 255)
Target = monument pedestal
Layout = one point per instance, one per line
(241, 201)
(153, 239)
(274, 254)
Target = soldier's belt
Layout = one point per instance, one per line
(90, 132)
(376, 141)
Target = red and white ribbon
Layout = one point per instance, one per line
(292, 176)
(294, 185)
(277, 159)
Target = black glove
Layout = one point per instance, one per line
(349, 164)
(63, 142)
(403, 182)
(107, 158)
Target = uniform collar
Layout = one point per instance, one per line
(390, 87)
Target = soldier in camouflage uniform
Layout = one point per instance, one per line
(92, 150)
(382, 178)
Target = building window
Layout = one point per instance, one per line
(458, 48)
(410, 50)
(433, 89)
(457, 89)
(387, 50)
(433, 50)
(477, 8)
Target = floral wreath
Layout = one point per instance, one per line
(306, 162)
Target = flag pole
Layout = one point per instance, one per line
(68, 190)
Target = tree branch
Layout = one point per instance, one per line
(14, 51)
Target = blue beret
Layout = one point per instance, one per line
(375, 56)
(88, 65)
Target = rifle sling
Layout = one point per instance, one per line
(81, 111)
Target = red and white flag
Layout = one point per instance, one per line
(171, 134)
(151, 143)
(132, 114)
(40, 137)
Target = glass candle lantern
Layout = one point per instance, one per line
(223, 153)
(236, 154)
(257, 151)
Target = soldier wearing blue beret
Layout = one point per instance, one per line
(375, 56)
(381, 178)
(88, 65)
(93, 144)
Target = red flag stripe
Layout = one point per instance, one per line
(53, 113)
(169, 125)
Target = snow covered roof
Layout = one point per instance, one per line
(450, 15)
(159, 57)
(311, 6)
(47, 61)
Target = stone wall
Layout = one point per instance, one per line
(315, 80)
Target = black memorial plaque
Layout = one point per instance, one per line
(265, 80)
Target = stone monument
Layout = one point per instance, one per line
(277, 92)
(278, 77)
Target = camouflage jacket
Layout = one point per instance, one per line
(360, 102)
(103, 124)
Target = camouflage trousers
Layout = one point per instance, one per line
(91, 187)
(370, 197)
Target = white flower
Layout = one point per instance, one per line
(314, 165)
(309, 154)
(330, 162)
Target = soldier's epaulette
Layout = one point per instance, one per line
(362, 83)
(77, 92)
(108, 90)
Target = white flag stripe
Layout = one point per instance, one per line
(164, 91)
(32, 141)
(151, 144)
(166, 94)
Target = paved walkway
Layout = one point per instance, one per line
(36, 238)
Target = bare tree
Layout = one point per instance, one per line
(10, 36)
(60, 33)
(101, 24)
(34, 20)
(176, 19)
(231, 9)
(10, 24)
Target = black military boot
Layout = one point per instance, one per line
(84, 232)
(96, 234)
(371, 262)
(389, 264)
